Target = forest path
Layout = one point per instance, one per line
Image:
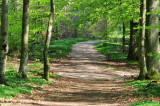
(85, 62)
(88, 79)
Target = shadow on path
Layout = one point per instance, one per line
(85, 62)
(81, 92)
(88, 78)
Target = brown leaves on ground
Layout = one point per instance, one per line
(79, 92)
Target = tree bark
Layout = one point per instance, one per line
(123, 38)
(47, 42)
(75, 33)
(3, 40)
(152, 38)
(24, 41)
(133, 47)
(142, 58)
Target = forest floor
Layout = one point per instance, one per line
(87, 78)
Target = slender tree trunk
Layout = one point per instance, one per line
(24, 42)
(123, 38)
(131, 41)
(133, 46)
(142, 59)
(152, 38)
(75, 33)
(3, 40)
(47, 42)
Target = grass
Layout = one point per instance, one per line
(150, 91)
(146, 103)
(19, 85)
(113, 49)
(143, 90)
(58, 48)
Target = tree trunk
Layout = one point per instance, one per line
(123, 38)
(133, 47)
(4, 40)
(47, 42)
(142, 59)
(152, 38)
(75, 33)
(24, 41)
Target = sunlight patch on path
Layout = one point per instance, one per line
(87, 63)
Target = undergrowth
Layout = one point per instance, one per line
(113, 49)
(146, 91)
(146, 103)
(152, 90)
(58, 48)
(19, 85)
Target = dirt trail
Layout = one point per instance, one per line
(88, 79)
(86, 62)
(78, 92)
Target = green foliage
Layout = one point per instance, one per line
(19, 85)
(91, 17)
(146, 103)
(152, 90)
(156, 55)
(138, 84)
(112, 50)
(38, 22)
(113, 12)
(58, 48)
(133, 62)
(144, 89)
(15, 25)
(63, 47)
(36, 67)
(54, 75)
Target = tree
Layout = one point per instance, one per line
(47, 42)
(3, 40)
(142, 58)
(152, 38)
(133, 46)
(24, 41)
(123, 38)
